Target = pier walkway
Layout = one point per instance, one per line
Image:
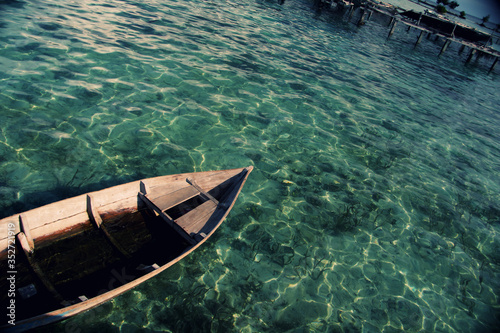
(429, 26)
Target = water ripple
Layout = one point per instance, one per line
(374, 201)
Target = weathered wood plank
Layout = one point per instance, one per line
(128, 203)
(56, 211)
(165, 202)
(166, 218)
(212, 180)
(60, 229)
(117, 193)
(95, 217)
(206, 180)
(25, 227)
(10, 223)
(23, 242)
(193, 221)
(93, 213)
(192, 182)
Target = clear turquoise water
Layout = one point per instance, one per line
(375, 200)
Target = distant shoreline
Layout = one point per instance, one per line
(455, 12)
(470, 19)
(472, 22)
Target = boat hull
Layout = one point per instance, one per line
(78, 253)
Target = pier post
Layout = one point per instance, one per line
(493, 66)
(362, 18)
(420, 37)
(392, 29)
(445, 46)
(461, 49)
(479, 54)
(351, 12)
(471, 55)
(453, 32)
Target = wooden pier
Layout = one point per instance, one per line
(361, 14)
(475, 50)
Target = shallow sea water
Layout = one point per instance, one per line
(375, 200)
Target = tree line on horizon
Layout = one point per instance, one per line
(441, 8)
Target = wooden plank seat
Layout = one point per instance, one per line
(193, 221)
(190, 223)
(165, 202)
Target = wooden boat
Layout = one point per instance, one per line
(67, 257)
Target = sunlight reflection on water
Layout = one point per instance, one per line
(374, 200)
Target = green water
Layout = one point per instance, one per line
(375, 200)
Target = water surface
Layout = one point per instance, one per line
(374, 203)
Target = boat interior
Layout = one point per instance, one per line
(113, 248)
